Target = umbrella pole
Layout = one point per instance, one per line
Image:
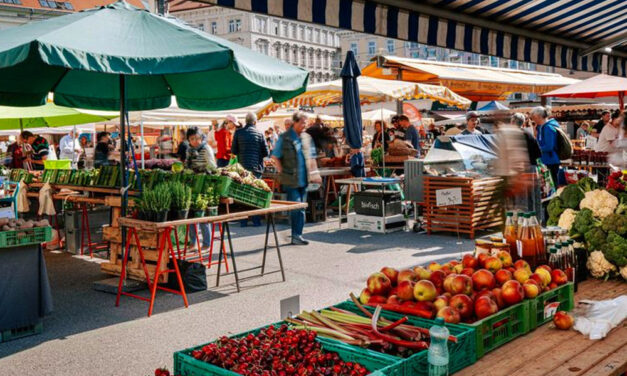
(383, 132)
(123, 156)
(141, 131)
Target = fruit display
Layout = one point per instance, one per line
(459, 291)
(277, 351)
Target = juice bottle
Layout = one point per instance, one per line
(528, 242)
(510, 235)
(540, 247)
(554, 261)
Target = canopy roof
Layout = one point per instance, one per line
(81, 56)
(569, 34)
(371, 90)
(493, 106)
(378, 114)
(49, 115)
(594, 87)
(475, 82)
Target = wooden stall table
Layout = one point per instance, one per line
(166, 250)
(548, 351)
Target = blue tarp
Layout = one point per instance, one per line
(473, 148)
(493, 106)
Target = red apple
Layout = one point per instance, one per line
(485, 307)
(546, 267)
(379, 284)
(502, 276)
(522, 264)
(485, 292)
(391, 273)
(463, 304)
(434, 266)
(559, 277)
(512, 292)
(407, 275)
(552, 286)
(506, 259)
(498, 297)
(405, 290)
(483, 279)
(422, 272)
(449, 314)
(468, 271)
(365, 296)
(447, 285)
(563, 320)
(440, 301)
(522, 275)
(458, 268)
(425, 291)
(538, 278)
(393, 299)
(377, 299)
(482, 258)
(437, 278)
(462, 284)
(493, 264)
(531, 289)
(546, 275)
(447, 269)
(469, 261)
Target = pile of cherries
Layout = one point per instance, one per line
(277, 352)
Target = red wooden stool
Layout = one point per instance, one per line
(165, 245)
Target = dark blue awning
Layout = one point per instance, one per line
(570, 34)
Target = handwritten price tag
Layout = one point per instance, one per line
(550, 309)
(448, 197)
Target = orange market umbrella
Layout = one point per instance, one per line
(602, 85)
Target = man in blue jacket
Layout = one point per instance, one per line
(547, 139)
(250, 147)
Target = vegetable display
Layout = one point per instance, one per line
(11, 224)
(571, 196)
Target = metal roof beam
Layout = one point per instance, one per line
(610, 43)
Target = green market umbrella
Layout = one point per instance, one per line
(48, 115)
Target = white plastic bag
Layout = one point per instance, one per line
(601, 317)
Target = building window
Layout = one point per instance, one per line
(309, 31)
(18, 2)
(261, 24)
(390, 46)
(45, 3)
(275, 27)
(214, 28)
(231, 26)
(372, 47)
(201, 27)
(303, 58)
(354, 48)
(235, 25)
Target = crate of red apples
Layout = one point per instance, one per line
(489, 293)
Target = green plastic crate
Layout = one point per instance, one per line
(249, 195)
(35, 235)
(564, 295)
(61, 164)
(461, 354)
(505, 325)
(186, 365)
(220, 182)
(21, 332)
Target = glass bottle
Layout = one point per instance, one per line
(528, 241)
(437, 356)
(537, 231)
(510, 235)
(560, 255)
(554, 261)
(571, 263)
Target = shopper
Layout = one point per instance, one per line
(472, 124)
(69, 147)
(609, 135)
(619, 156)
(533, 196)
(606, 117)
(199, 159)
(411, 134)
(250, 148)
(224, 139)
(181, 150)
(547, 139)
(17, 153)
(294, 158)
(380, 134)
(40, 150)
(103, 148)
(582, 131)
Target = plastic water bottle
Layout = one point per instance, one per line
(438, 349)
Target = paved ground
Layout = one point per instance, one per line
(88, 335)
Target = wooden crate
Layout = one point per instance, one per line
(481, 206)
(149, 242)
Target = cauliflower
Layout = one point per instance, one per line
(623, 272)
(598, 265)
(566, 219)
(601, 202)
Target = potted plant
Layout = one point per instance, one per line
(213, 201)
(199, 203)
(181, 199)
(153, 205)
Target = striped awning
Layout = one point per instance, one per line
(570, 34)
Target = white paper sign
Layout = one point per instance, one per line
(448, 197)
(550, 309)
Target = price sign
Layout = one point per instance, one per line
(290, 307)
(448, 197)
(550, 309)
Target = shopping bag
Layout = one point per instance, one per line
(233, 160)
(547, 185)
(193, 275)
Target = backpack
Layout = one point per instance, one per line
(564, 147)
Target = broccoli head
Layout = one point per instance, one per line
(555, 209)
(615, 249)
(571, 196)
(552, 221)
(616, 223)
(595, 239)
(587, 184)
(584, 221)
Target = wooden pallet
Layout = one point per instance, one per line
(149, 242)
(547, 351)
(481, 206)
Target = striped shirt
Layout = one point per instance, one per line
(200, 159)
